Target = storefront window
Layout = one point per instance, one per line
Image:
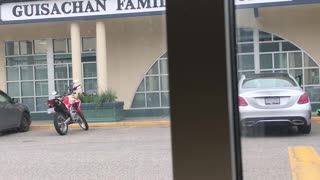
(25, 65)
(60, 46)
(88, 44)
(153, 91)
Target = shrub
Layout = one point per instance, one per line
(104, 97)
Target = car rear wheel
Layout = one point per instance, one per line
(305, 129)
(24, 122)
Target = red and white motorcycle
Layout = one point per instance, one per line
(66, 110)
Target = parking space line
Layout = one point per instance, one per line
(316, 119)
(305, 163)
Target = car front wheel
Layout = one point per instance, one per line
(24, 122)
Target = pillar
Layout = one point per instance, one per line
(101, 50)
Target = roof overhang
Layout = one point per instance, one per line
(244, 4)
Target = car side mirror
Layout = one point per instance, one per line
(14, 101)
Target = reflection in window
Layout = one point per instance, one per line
(153, 90)
(278, 55)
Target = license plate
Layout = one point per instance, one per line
(51, 111)
(272, 100)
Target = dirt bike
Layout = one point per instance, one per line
(66, 110)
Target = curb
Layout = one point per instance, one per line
(316, 118)
(111, 124)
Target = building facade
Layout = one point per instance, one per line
(107, 45)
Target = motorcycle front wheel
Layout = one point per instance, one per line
(82, 121)
(59, 124)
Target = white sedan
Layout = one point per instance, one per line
(273, 99)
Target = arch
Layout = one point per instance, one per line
(153, 90)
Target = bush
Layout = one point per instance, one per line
(105, 97)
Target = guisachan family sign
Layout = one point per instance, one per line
(36, 10)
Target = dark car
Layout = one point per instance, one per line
(13, 115)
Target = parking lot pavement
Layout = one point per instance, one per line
(267, 156)
(141, 153)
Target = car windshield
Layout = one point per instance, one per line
(268, 82)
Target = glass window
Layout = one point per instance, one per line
(313, 92)
(40, 46)
(164, 66)
(141, 87)
(246, 35)
(138, 101)
(164, 83)
(41, 72)
(266, 61)
(287, 46)
(61, 86)
(70, 70)
(165, 99)
(13, 89)
(3, 98)
(27, 89)
(29, 102)
(88, 44)
(153, 100)
(69, 45)
(12, 73)
(308, 62)
(90, 86)
(240, 74)
(295, 60)
(26, 72)
(88, 57)
(40, 101)
(152, 83)
(154, 69)
(269, 47)
(311, 76)
(295, 72)
(89, 70)
(277, 38)
(41, 88)
(61, 71)
(62, 58)
(25, 47)
(245, 62)
(59, 46)
(12, 48)
(263, 36)
(280, 60)
(155, 83)
(275, 82)
(245, 48)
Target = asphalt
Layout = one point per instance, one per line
(127, 122)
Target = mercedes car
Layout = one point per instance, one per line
(273, 99)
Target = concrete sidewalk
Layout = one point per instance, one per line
(127, 122)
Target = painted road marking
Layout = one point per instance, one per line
(305, 163)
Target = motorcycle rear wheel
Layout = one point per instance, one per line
(59, 125)
(82, 121)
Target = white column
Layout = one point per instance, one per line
(3, 70)
(101, 56)
(50, 67)
(256, 50)
(76, 52)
